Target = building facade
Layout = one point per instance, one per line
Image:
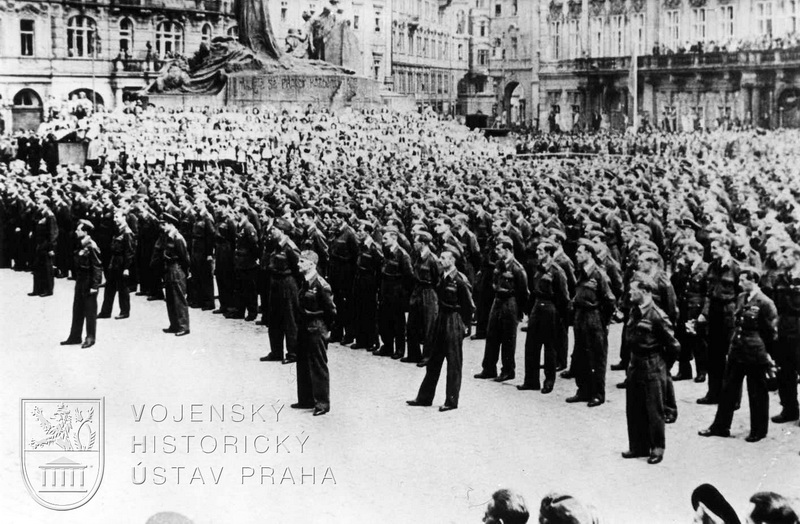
(104, 51)
(682, 64)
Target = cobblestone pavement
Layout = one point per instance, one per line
(391, 463)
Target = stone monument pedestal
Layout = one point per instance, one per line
(249, 89)
(321, 91)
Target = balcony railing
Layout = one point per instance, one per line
(138, 65)
(215, 6)
(765, 58)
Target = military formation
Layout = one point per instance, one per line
(399, 235)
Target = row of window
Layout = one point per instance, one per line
(611, 36)
(430, 82)
(84, 40)
(424, 46)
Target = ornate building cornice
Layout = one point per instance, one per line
(697, 3)
(672, 4)
(637, 6)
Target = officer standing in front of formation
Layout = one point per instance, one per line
(717, 317)
(455, 308)
(316, 313)
(751, 349)
(594, 305)
(510, 299)
(652, 343)
(550, 297)
(45, 238)
(123, 249)
(88, 277)
(174, 258)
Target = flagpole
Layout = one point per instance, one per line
(634, 74)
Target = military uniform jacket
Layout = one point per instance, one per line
(664, 296)
(344, 248)
(649, 331)
(549, 285)
(88, 268)
(46, 233)
(246, 246)
(455, 295)
(283, 259)
(123, 249)
(756, 328)
(786, 290)
(317, 310)
(225, 238)
(510, 281)
(689, 283)
(314, 240)
(592, 291)
(472, 251)
(175, 256)
(397, 266)
(203, 237)
(426, 271)
(369, 261)
(722, 283)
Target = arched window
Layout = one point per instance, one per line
(82, 37)
(233, 31)
(206, 34)
(169, 38)
(27, 98)
(125, 36)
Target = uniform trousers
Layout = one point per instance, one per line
(544, 330)
(391, 317)
(731, 392)
(84, 308)
(246, 292)
(43, 273)
(787, 356)
(590, 354)
(644, 406)
(341, 275)
(283, 310)
(501, 336)
(446, 343)
(422, 310)
(720, 333)
(365, 307)
(484, 298)
(115, 283)
(313, 377)
(175, 296)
